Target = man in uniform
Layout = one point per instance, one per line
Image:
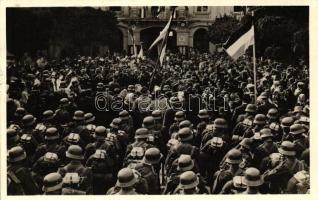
(79, 126)
(189, 182)
(253, 180)
(75, 154)
(126, 181)
(20, 180)
(52, 184)
(179, 116)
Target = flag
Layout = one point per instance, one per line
(240, 40)
(132, 36)
(141, 53)
(163, 34)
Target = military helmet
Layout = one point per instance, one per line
(259, 119)
(220, 123)
(234, 157)
(250, 108)
(51, 134)
(184, 124)
(148, 122)
(157, 114)
(203, 114)
(75, 152)
(48, 115)
(179, 116)
(124, 115)
(152, 156)
(100, 132)
(16, 154)
(141, 133)
(78, 115)
(28, 120)
(52, 182)
(287, 121)
(296, 129)
(185, 163)
(115, 123)
(20, 112)
(266, 133)
(126, 178)
(89, 118)
(272, 113)
(188, 180)
(185, 134)
(12, 135)
(252, 177)
(287, 148)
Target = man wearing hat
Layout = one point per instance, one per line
(189, 182)
(28, 124)
(12, 138)
(89, 122)
(79, 126)
(46, 164)
(220, 129)
(52, 140)
(20, 180)
(298, 137)
(63, 113)
(99, 137)
(75, 154)
(103, 171)
(225, 174)
(52, 184)
(149, 169)
(244, 121)
(179, 117)
(126, 180)
(286, 122)
(142, 104)
(121, 137)
(141, 140)
(204, 120)
(279, 176)
(174, 106)
(185, 136)
(127, 124)
(258, 123)
(253, 180)
(234, 186)
(266, 148)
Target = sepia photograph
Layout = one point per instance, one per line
(157, 100)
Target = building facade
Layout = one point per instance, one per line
(188, 31)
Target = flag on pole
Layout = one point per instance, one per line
(163, 34)
(240, 40)
(141, 53)
(132, 36)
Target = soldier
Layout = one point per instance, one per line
(258, 123)
(185, 136)
(75, 154)
(285, 124)
(52, 184)
(220, 129)
(279, 176)
(99, 136)
(266, 148)
(297, 136)
(226, 173)
(12, 138)
(204, 117)
(44, 165)
(72, 184)
(189, 182)
(18, 115)
(142, 104)
(244, 121)
(52, 139)
(127, 124)
(182, 164)
(274, 124)
(234, 186)
(103, 171)
(179, 116)
(63, 113)
(79, 126)
(159, 129)
(149, 169)
(89, 122)
(174, 106)
(253, 180)
(141, 140)
(20, 180)
(126, 181)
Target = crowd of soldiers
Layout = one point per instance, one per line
(110, 125)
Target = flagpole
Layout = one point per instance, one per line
(254, 63)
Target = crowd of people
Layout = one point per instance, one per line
(120, 125)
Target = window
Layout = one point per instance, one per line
(115, 8)
(238, 8)
(202, 9)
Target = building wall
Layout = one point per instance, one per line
(188, 20)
